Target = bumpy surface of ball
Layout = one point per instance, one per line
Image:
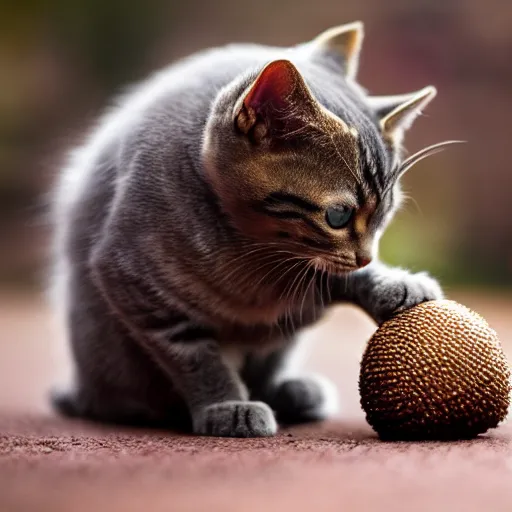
(435, 371)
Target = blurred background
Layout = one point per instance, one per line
(62, 60)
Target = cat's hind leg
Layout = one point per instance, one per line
(303, 399)
(295, 398)
(65, 403)
(119, 411)
(115, 381)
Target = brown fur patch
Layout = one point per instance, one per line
(363, 215)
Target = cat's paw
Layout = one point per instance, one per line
(399, 290)
(304, 399)
(235, 419)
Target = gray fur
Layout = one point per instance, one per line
(382, 291)
(176, 316)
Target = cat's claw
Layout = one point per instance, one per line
(235, 419)
(305, 399)
(399, 290)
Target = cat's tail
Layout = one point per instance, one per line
(64, 403)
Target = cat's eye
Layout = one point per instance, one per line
(338, 216)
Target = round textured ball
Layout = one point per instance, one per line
(435, 371)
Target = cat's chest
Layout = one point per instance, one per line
(267, 311)
(269, 336)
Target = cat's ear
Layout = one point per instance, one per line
(278, 101)
(346, 41)
(397, 113)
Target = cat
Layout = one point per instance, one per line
(219, 209)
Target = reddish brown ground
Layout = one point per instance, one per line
(49, 464)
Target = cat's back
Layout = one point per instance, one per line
(170, 107)
(181, 93)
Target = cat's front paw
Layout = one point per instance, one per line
(304, 399)
(235, 419)
(399, 290)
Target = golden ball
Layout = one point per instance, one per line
(435, 371)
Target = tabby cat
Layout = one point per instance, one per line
(219, 209)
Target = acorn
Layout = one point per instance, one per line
(436, 371)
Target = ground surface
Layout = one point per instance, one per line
(49, 464)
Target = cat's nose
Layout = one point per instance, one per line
(363, 260)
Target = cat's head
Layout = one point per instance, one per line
(307, 160)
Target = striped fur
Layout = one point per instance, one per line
(191, 240)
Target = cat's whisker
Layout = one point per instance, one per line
(306, 283)
(295, 286)
(247, 254)
(297, 131)
(257, 255)
(313, 280)
(284, 262)
(321, 278)
(237, 268)
(248, 276)
(255, 270)
(425, 153)
(287, 271)
(411, 161)
(305, 293)
(250, 255)
(318, 264)
(300, 291)
(356, 177)
(326, 292)
(408, 198)
(292, 292)
(321, 286)
(241, 277)
(289, 304)
(286, 293)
